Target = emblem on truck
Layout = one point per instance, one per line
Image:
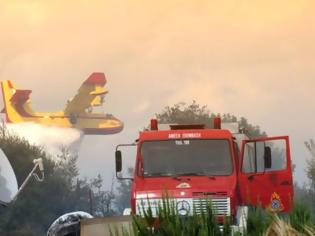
(183, 208)
(183, 185)
(275, 202)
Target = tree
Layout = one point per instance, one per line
(40, 204)
(182, 113)
(103, 200)
(123, 193)
(306, 194)
(310, 169)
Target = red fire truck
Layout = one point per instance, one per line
(195, 164)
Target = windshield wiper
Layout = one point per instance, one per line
(179, 176)
(195, 174)
(191, 174)
(158, 174)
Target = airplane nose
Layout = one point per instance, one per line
(111, 124)
(114, 123)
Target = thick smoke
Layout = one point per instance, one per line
(52, 139)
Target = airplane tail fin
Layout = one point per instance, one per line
(7, 92)
(14, 101)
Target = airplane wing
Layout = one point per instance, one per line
(90, 94)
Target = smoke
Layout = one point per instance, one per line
(52, 139)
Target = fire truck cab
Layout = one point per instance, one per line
(195, 164)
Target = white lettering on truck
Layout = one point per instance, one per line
(184, 135)
(191, 135)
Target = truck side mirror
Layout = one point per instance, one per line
(118, 161)
(267, 158)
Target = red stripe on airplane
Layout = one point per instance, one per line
(10, 84)
(21, 96)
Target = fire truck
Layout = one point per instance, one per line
(194, 164)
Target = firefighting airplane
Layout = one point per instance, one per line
(77, 114)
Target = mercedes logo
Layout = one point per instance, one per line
(183, 208)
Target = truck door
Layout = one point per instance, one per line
(265, 174)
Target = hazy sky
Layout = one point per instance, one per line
(250, 58)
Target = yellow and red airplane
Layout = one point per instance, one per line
(77, 114)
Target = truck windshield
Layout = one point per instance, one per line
(186, 157)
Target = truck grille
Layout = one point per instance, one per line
(219, 205)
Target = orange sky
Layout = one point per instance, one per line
(251, 58)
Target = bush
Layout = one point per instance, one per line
(259, 222)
